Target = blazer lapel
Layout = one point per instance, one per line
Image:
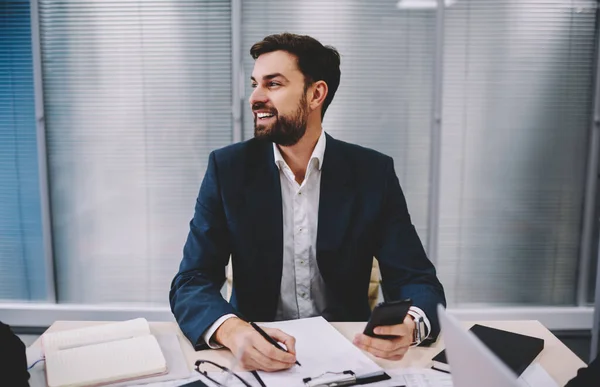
(336, 199)
(263, 199)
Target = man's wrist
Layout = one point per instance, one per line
(418, 332)
(422, 325)
(224, 331)
(209, 335)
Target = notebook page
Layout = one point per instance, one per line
(105, 363)
(55, 341)
(320, 348)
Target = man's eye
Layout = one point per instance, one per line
(271, 84)
(253, 85)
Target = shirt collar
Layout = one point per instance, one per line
(317, 154)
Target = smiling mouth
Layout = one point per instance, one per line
(264, 116)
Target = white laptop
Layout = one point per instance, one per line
(472, 363)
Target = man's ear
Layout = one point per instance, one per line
(317, 97)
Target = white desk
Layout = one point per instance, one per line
(556, 358)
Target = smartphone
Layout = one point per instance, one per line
(387, 313)
(195, 383)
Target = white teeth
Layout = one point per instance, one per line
(264, 115)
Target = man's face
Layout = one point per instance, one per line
(279, 99)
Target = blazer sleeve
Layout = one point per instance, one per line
(405, 269)
(195, 295)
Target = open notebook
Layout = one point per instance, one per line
(102, 354)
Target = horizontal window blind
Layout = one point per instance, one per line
(518, 78)
(22, 262)
(137, 93)
(385, 95)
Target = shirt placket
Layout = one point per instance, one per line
(301, 252)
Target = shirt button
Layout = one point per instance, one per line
(300, 229)
(299, 193)
(303, 295)
(302, 262)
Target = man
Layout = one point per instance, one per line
(302, 216)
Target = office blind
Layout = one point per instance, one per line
(518, 78)
(385, 95)
(22, 263)
(137, 93)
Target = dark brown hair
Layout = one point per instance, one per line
(315, 61)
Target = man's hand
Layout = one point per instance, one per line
(255, 352)
(392, 349)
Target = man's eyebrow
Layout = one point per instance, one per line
(270, 76)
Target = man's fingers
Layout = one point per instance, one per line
(266, 363)
(395, 354)
(387, 345)
(263, 363)
(282, 337)
(385, 355)
(393, 330)
(248, 361)
(258, 354)
(405, 329)
(270, 351)
(393, 349)
(273, 352)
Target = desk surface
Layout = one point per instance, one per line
(556, 358)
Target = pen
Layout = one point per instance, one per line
(269, 338)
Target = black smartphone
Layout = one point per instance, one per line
(195, 383)
(387, 313)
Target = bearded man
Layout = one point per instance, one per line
(302, 215)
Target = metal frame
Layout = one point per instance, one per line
(42, 153)
(44, 315)
(590, 198)
(594, 348)
(436, 136)
(590, 211)
(237, 71)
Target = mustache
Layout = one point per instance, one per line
(262, 106)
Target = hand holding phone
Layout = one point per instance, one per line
(387, 313)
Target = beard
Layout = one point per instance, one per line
(287, 130)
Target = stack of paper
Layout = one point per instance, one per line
(320, 348)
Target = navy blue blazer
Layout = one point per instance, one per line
(362, 214)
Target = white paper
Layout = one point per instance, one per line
(218, 376)
(415, 377)
(536, 376)
(320, 348)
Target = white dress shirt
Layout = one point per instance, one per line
(302, 288)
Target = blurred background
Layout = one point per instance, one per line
(108, 111)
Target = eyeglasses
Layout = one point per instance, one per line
(205, 366)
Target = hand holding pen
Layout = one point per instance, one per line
(257, 352)
(269, 339)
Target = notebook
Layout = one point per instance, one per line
(515, 350)
(103, 354)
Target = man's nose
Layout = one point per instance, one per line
(258, 96)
